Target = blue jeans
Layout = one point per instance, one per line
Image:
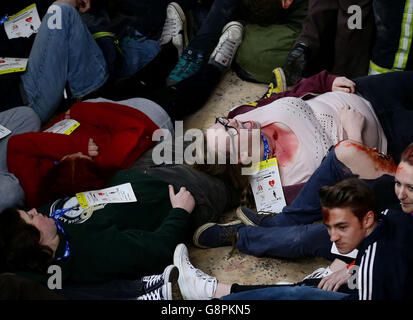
(18, 120)
(282, 292)
(292, 232)
(137, 51)
(59, 56)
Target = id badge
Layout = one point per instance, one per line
(66, 126)
(266, 187)
(119, 194)
(10, 65)
(4, 132)
(23, 24)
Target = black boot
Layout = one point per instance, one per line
(296, 63)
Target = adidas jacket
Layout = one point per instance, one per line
(385, 259)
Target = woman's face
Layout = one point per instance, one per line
(44, 224)
(236, 137)
(404, 186)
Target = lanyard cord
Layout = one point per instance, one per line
(267, 150)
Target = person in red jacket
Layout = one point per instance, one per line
(109, 137)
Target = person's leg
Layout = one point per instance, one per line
(347, 39)
(220, 13)
(311, 240)
(200, 47)
(12, 193)
(137, 51)
(212, 196)
(312, 51)
(391, 97)
(187, 96)
(306, 207)
(61, 55)
(17, 120)
(287, 293)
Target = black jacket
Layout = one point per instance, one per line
(385, 259)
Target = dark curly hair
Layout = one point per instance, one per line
(71, 176)
(20, 248)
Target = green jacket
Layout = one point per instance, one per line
(122, 241)
(265, 48)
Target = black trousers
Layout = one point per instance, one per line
(334, 46)
(180, 100)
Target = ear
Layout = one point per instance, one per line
(286, 3)
(369, 219)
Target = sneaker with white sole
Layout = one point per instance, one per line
(175, 27)
(159, 286)
(193, 283)
(228, 44)
(319, 273)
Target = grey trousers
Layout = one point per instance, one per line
(17, 120)
(213, 196)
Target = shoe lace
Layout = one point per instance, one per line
(153, 295)
(170, 27)
(319, 273)
(230, 236)
(187, 64)
(208, 280)
(152, 280)
(226, 48)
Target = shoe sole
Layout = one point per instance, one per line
(280, 78)
(202, 228)
(171, 276)
(244, 219)
(230, 24)
(182, 16)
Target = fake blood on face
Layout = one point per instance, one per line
(283, 143)
(326, 215)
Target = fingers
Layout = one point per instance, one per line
(344, 85)
(93, 149)
(171, 192)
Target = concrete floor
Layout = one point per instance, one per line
(239, 267)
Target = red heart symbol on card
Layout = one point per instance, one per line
(29, 19)
(272, 182)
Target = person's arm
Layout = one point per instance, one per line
(319, 83)
(31, 155)
(353, 123)
(145, 251)
(126, 132)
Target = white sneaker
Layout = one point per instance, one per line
(319, 273)
(175, 27)
(228, 44)
(193, 283)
